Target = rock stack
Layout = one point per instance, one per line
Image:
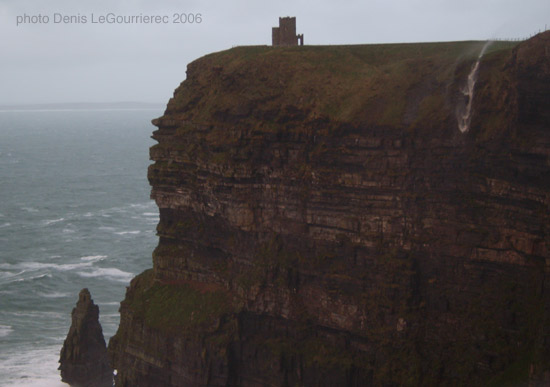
(83, 357)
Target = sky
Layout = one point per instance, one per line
(60, 51)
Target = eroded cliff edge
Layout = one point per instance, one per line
(324, 222)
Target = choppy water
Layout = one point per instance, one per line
(74, 212)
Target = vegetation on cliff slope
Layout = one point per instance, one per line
(387, 84)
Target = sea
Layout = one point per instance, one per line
(75, 213)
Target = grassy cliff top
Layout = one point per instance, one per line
(384, 85)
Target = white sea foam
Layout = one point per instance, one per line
(30, 209)
(31, 367)
(5, 330)
(140, 205)
(55, 266)
(53, 221)
(111, 303)
(55, 295)
(109, 272)
(128, 232)
(40, 315)
(155, 214)
(7, 274)
(93, 258)
(116, 210)
(4, 225)
(33, 277)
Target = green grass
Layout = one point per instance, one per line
(186, 307)
(358, 84)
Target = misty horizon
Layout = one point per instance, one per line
(140, 51)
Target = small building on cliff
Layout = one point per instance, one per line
(285, 34)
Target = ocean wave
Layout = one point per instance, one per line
(93, 258)
(128, 232)
(110, 272)
(26, 266)
(129, 208)
(55, 295)
(5, 330)
(39, 315)
(30, 209)
(32, 271)
(5, 225)
(141, 205)
(55, 266)
(8, 274)
(155, 214)
(52, 221)
(33, 277)
(114, 210)
(31, 367)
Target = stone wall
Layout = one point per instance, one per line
(285, 34)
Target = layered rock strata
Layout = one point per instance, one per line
(324, 222)
(84, 361)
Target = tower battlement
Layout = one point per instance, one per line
(285, 34)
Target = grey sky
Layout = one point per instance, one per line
(85, 62)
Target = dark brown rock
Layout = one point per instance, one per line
(83, 358)
(324, 222)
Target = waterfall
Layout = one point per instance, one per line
(465, 117)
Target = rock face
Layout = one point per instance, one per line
(83, 358)
(324, 222)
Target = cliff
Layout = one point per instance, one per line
(323, 221)
(83, 359)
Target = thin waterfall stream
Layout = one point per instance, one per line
(465, 117)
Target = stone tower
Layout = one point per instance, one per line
(285, 34)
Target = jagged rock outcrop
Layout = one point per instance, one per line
(84, 361)
(324, 222)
